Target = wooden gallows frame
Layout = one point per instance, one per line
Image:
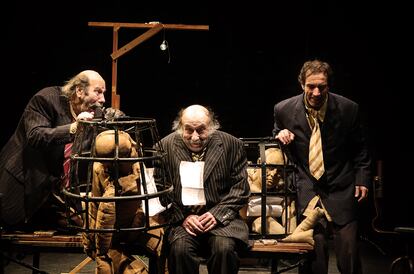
(153, 28)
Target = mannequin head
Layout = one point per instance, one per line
(273, 156)
(105, 146)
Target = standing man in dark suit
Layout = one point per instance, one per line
(208, 171)
(31, 162)
(343, 175)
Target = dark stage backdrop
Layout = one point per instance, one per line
(247, 62)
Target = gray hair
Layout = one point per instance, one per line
(80, 80)
(214, 124)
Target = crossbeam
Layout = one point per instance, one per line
(153, 28)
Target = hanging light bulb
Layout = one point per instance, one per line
(164, 45)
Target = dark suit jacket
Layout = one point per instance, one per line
(346, 157)
(225, 183)
(33, 156)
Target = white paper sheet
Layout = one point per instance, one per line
(154, 204)
(192, 188)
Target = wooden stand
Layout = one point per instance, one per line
(154, 28)
(36, 243)
(274, 251)
(48, 241)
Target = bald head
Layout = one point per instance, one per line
(87, 81)
(196, 109)
(196, 115)
(91, 75)
(195, 123)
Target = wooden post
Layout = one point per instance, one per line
(154, 28)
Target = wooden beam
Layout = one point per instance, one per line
(154, 28)
(148, 25)
(142, 38)
(115, 97)
(81, 265)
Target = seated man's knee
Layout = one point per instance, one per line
(179, 247)
(222, 245)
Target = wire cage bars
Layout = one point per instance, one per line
(270, 211)
(111, 164)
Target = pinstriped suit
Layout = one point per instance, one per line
(225, 183)
(31, 161)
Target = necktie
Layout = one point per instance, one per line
(198, 156)
(66, 165)
(316, 166)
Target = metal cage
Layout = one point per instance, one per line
(256, 149)
(149, 151)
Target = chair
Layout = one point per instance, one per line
(405, 262)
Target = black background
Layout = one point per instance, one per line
(248, 61)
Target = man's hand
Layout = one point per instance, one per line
(208, 221)
(361, 192)
(196, 225)
(285, 136)
(192, 225)
(87, 116)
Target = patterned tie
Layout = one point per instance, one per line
(316, 166)
(66, 165)
(198, 156)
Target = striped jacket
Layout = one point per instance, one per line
(226, 187)
(33, 156)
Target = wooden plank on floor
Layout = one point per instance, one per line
(81, 265)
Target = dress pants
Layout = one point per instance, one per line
(221, 253)
(12, 201)
(345, 240)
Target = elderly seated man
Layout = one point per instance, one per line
(104, 247)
